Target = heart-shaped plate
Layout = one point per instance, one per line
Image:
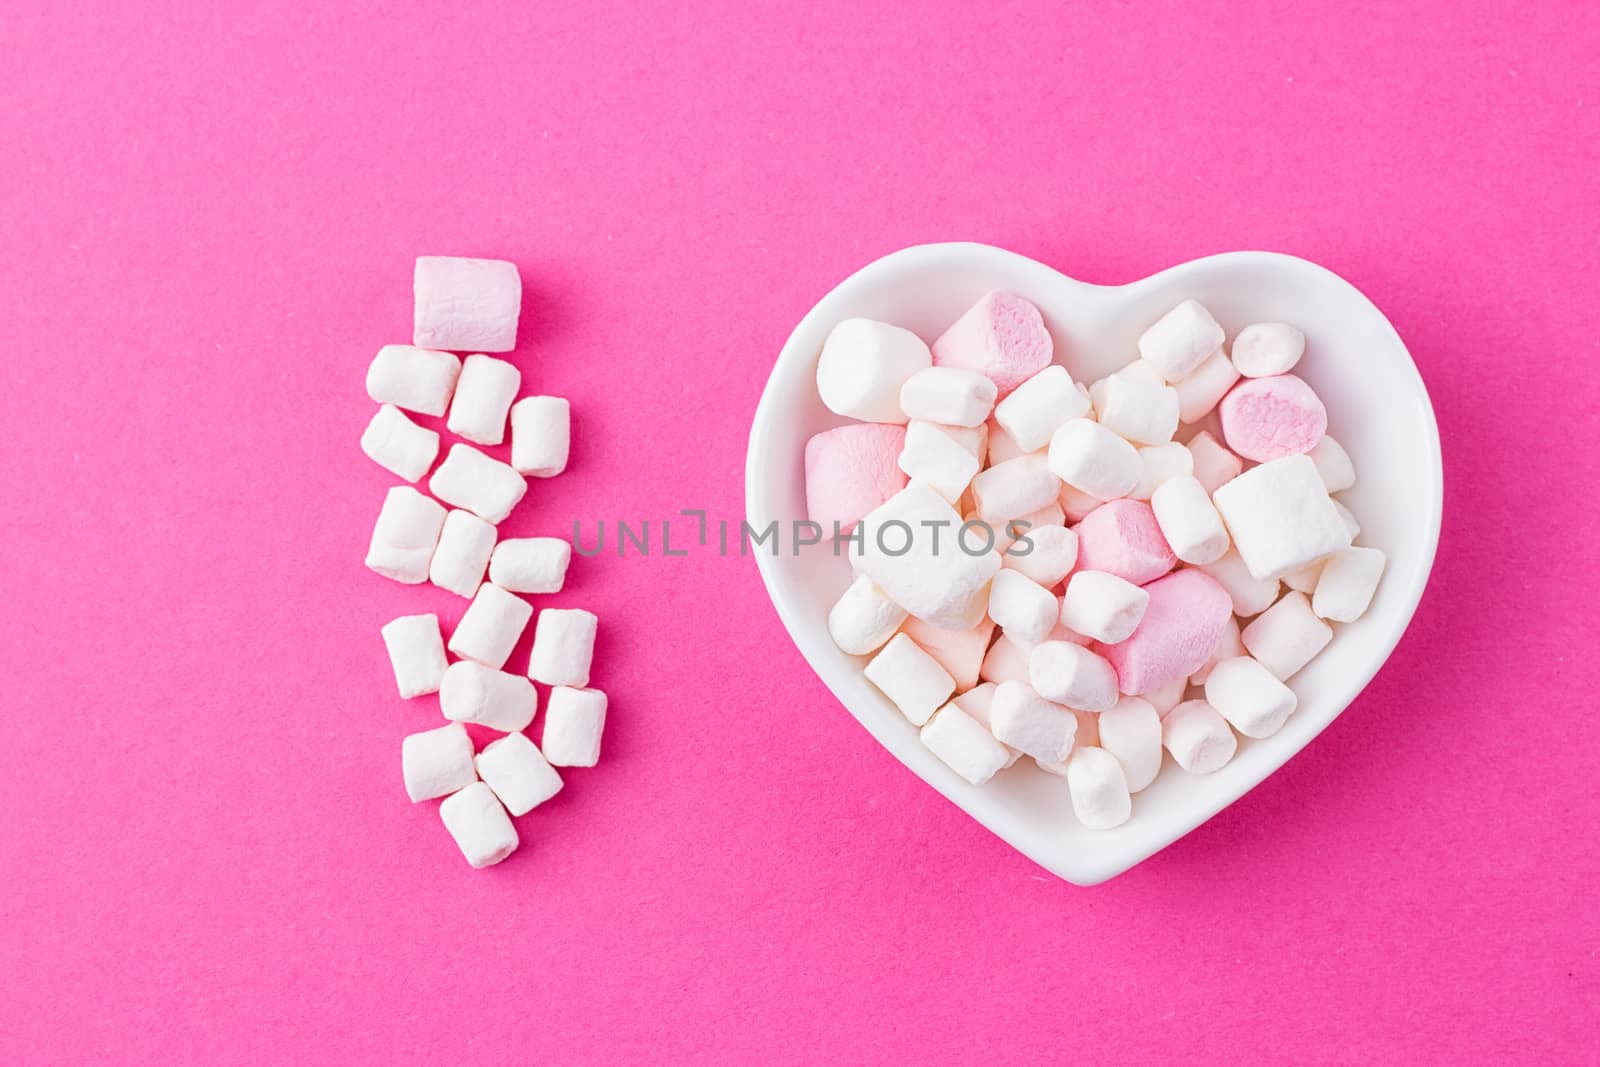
(1378, 409)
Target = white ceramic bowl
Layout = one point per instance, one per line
(1378, 409)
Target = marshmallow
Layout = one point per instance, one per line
(466, 304)
(1122, 537)
(1189, 521)
(1268, 348)
(863, 366)
(925, 569)
(1228, 646)
(417, 379)
(1269, 418)
(1250, 595)
(1347, 517)
(949, 395)
(574, 719)
(1198, 737)
(416, 652)
(465, 544)
(1208, 383)
(1015, 488)
(1181, 340)
(1214, 465)
(1021, 607)
(1246, 694)
(977, 702)
(1304, 580)
(1333, 464)
(530, 564)
(1136, 410)
(1037, 408)
(1131, 732)
(484, 393)
(404, 537)
(1102, 606)
(1075, 503)
(863, 618)
(1099, 789)
(1347, 583)
(1182, 622)
(1070, 674)
(975, 439)
(964, 745)
(517, 772)
(1002, 446)
(1159, 464)
(563, 647)
(1167, 697)
(1029, 723)
(541, 435)
(849, 471)
(1093, 460)
(486, 487)
(1286, 636)
(1009, 531)
(436, 763)
(930, 455)
(1006, 661)
(910, 678)
(1045, 554)
(1280, 517)
(491, 626)
(474, 693)
(399, 445)
(480, 826)
(959, 652)
(1002, 337)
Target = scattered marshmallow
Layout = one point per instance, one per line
(1333, 464)
(416, 652)
(964, 745)
(417, 379)
(465, 545)
(1266, 349)
(574, 720)
(404, 537)
(1189, 521)
(1181, 340)
(1036, 409)
(1270, 418)
(563, 647)
(1045, 554)
(1099, 789)
(399, 445)
(1228, 646)
(484, 393)
(910, 678)
(1014, 488)
(948, 395)
(1250, 595)
(1002, 337)
(1021, 607)
(1280, 517)
(1182, 621)
(517, 771)
(863, 366)
(1137, 410)
(1069, 674)
(1286, 636)
(1198, 737)
(1026, 721)
(1103, 606)
(1093, 460)
(486, 487)
(541, 435)
(530, 564)
(471, 692)
(491, 626)
(1199, 392)
(1245, 693)
(923, 568)
(1347, 583)
(1214, 465)
(436, 763)
(851, 470)
(862, 619)
(1159, 464)
(480, 826)
(466, 304)
(1122, 537)
(959, 652)
(932, 456)
(1131, 732)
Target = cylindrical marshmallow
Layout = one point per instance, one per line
(1250, 595)
(1333, 464)
(1102, 606)
(417, 379)
(563, 647)
(1347, 583)
(850, 470)
(1198, 737)
(1093, 460)
(436, 763)
(1099, 788)
(1131, 732)
(1036, 409)
(948, 395)
(1070, 674)
(1280, 517)
(1249, 697)
(484, 393)
(480, 826)
(574, 720)
(1045, 554)
(462, 556)
(541, 435)
(1268, 348)
(1208, 383)
(1136, 410)
(1269, 418)
(964, 745)
(1027, 722)
(1159, 464)
(931, 456)
(1180, 340)
(1189, 521)
(499, 700)
(466, 304)
(530, 564)
(1015, 488)
(1286, 636)
(399, 445)
(863, 365)
(911, 678)
(490, 627)
(416, 652)
(1021, 607)
(518, 773)
(862, 619)
(1002, 336)
(1122, 537)
(486, 487)
(404, 537)
(1214, 465)
(1228, 646)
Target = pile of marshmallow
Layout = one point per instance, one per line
(472, 305)
(1060, 572)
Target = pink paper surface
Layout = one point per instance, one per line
(209, 222)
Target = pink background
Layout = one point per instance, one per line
(208, 228)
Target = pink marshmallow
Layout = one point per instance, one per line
(1002, 336)
(1269, 418)
(1122, 537)
(1181, 626)
(850, 471)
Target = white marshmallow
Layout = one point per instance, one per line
(1227, 647)
(975, 439)
(1246, 694)
(436, 763)
(1268, 348)
(491, 626)
(863, 366)
(1198, 737)
(1304, 580)
(416, 652)
(1250, 595)
(1348, 518)
(541, 435)
(863, 618)
(399, 445)
(469, 479)
(1015, 488)
(1347, 583)
(1103, 606)
(1214, 465)
(910, 678)
(1167, 697)
(1069, 674)
(1333, 465)
(1045, 554)
(417, 379)
(530, 564)
(563, 647)
(1099, 789)
(1189, 521)
(1208, 383)
(1131, 732)
(404, 537)
(1075, 503)
(1093, 460)
(480, 826)
(474, 693)
(1181, 340)
(934, 578)
(1281, 517)
(574, 720)
(930, 455)
(977, 702)
(1021, 607)
(1137, 410)
(466, 304)
(954, 396)
(465, 544)
(1159, 464)
(1008, 532)
(964, 745)
(517, 772)
(959, 652)
(1034, 410)
(1006, 661)
(1001, 445)
(1286, 636)
(484, 393)
(1026, 721)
